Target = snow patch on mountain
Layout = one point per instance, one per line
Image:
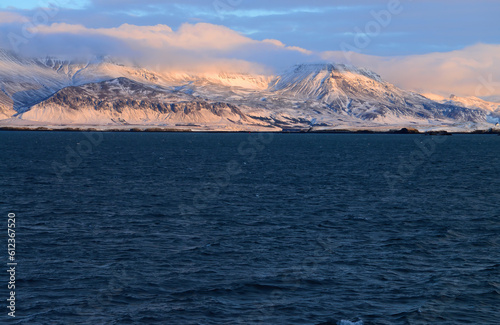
(490, 109)
(101, 91)
(123, 101)
(6, 105)
(245, 81)
(474, 102)
(28, 81)
(468, 102)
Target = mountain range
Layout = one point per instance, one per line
(104, 93)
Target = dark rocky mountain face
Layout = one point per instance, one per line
(128, 101)
(332, 94)
(121, 93)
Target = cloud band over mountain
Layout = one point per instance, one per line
(210, 40)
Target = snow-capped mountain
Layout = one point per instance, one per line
(101, 91)
(123, 101)
(27, 81)
(363, 94)
(491, 109)
(469, 102)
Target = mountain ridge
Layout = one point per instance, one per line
(335, 95)
(124, 101)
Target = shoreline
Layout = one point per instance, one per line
(402, 131)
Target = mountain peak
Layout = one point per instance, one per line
(331, 92)
(308, 68)
(330, 82)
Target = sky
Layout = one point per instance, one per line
(432, 46)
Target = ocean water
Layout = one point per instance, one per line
(171, 228)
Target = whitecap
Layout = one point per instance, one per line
(347, 322)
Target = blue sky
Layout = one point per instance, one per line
(421, 27)
(457, 38)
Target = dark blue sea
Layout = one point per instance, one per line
(199, 229)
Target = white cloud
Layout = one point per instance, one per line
(472, 71)
(291, 48)
(192, 45)
(7, 17)
(201, 36)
